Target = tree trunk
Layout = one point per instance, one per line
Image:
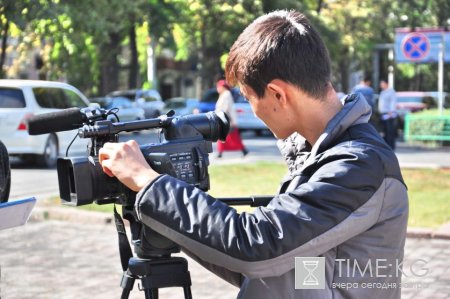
(344, 69)
(109, 65)
(211, 51)
(319, 6)
(133, 74)
(202, 56)
(3, 47)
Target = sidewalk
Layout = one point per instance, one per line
(65, 260)
(415, 156)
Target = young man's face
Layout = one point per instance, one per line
(265, 108)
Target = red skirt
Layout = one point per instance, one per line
(232, 143)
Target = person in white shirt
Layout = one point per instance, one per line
(388, 114)
(225, 103)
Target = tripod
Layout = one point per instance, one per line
(156, 274)
(153, 265)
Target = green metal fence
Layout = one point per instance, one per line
(427, 127)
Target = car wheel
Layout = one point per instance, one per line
(51, 152)
(5, 174)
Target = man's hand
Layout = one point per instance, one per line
(126, 162)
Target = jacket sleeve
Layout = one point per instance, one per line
(342, 198)
(227, 275)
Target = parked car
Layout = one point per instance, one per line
(127, 111)
(247, 120)
(148, 99)
(410, 102)
(208, 100)
(181, 106)
(21, 99)
(435, 96)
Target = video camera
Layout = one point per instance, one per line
(183, 153)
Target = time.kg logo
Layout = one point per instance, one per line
(310, 273)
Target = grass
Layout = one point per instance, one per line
(429, 196)
(261, 178)
(429, 189)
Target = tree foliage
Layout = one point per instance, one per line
(101, 45)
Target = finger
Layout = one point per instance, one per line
(103, 154)
(132, 143)
(106, 168)
(112, 145)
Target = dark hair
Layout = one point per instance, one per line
(280, 45)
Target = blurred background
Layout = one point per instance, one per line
(179, 47)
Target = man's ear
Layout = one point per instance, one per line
(278, 89)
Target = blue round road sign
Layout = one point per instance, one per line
(415, 46)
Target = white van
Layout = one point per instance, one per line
(21, 99)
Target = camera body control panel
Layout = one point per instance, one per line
(190, 165)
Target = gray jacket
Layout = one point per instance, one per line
(344, 200)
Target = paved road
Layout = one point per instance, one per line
(65, 260)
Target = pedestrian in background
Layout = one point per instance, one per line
(388, 114)
(225, 103)
(364, 88)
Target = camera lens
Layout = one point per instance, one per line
(210, 126)
(222, 123)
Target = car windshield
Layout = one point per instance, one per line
(11, 98)
(409, 99)
(150, 99)
(176, 104)
(127, 94)
(237, 96)
(115, 102)
(210, 96)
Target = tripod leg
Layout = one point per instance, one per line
(127, 285)
(187, 293)
(151, 293)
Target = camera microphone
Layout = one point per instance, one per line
(65, 120)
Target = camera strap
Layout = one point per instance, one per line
(124, 246)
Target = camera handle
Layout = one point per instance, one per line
(253, 201)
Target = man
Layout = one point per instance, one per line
(388, 114)
(364, 88)
(344, 199)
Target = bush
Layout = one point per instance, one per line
(428, 125)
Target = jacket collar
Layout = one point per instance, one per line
(296, 150)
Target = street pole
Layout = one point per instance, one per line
(391, 68)
(441, 77)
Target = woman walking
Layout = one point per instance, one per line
(225, 103)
